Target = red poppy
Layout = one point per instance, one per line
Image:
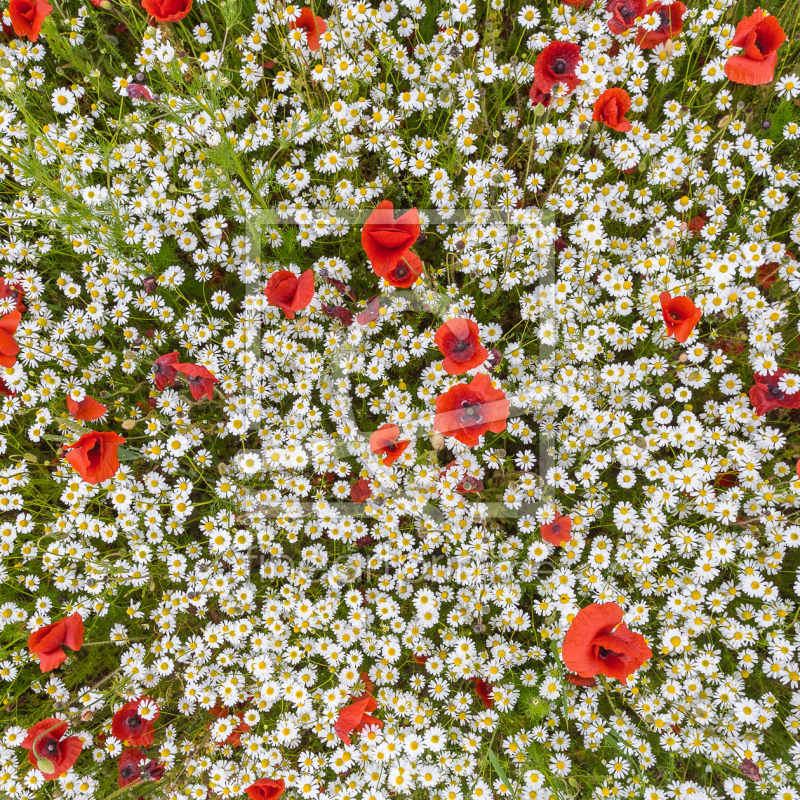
(538, 97)
(797, 469)
(611, 107)
(557, 532)
(47, 642)
(576, 680)
(360, 491)
(9, 290)
(355, 717)
(405, 272)
(384, 441)
(557, 64)
(164, 370)
(671, 24)
(470, 485)
(85, 410)
(27, 17)
(467, 411)
(760, 37)
(372, 312)
(726, 479)
(131, 768)
(8, 344)
(369, 686)
(266, 789)
(94, 456)
(340, 313)
(128, 726)
(128, 766)
(201, 381)
(767, 394)
(313, 26)
(680, 314)
(137, 92)
(623, 14)
(484, 690)
(458, 342)
(167, 10)
(767, 274)
(49, 753)
(696, 224)
(386, 239)
(286, 291)
(598, 642)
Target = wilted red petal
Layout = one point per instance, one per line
(86, 410)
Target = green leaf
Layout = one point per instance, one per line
(498, 768)
(123, 454)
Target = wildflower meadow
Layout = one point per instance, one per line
(400, 400)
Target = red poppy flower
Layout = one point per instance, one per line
(384, 440)
(611, 107)
(167, 10)
(623, 14)
(360, 491)
(484, 690)
(726, 479)
(47, 642)
(355, 717)
(556, 64)
(598, 642)
(680, 314)
(538, 97)
(671, 24)
(767, 394)
(201, 381)
(760, 37)
(405, 272)
(128, 766)
(340, 313)
(458, 342)
(8, 344)
(85, 410)
(467, 411)
(369, 686)
(372, 311)
(137, 92)
(470, 485)
(94, 456)
(27, 17)
(266, 789)
(767, 274)
(9, 290)
(696, 224)
(164, 370)
(313, 26)
(128, 726)
(286, 291)
(386, 239)
(576, 680)
(49, 753)
(797, 469)
(557, 532)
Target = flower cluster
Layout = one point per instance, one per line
(399, 399)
